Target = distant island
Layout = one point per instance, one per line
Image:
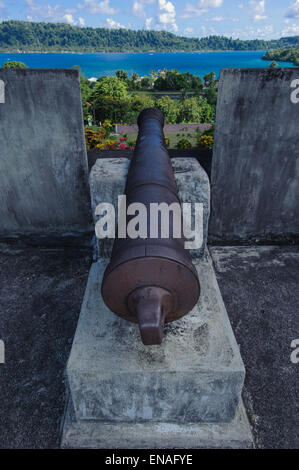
(283, 55)
(23, 36)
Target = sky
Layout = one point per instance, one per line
(244, 19)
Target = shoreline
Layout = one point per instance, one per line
(128, 52)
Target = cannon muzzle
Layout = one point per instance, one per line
(151, 280)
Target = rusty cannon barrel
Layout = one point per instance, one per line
(151, 279)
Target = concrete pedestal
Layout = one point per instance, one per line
(185, 393)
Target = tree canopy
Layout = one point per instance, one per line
(174, 80)
(55, 37)
(283, 55)
(13, 64)
(110, 86)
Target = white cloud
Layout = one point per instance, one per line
(293, 11)
(188, 30)
(249, 32)
(167, 15)
(114, 24)
(211, 3)
(148, 23)
(68, 18)
(37, 11)
(193, 10)
(139, 6)
(96, 7)
(258, 9)
(2, 4)
(292, 30)
(216, 18)
(203, 6)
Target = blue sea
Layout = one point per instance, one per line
(96, 65)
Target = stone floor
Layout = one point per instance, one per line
(41, 292)
(259, 287)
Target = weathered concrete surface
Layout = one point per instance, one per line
(196, 375)
(95, 434)
(193, 187)
(108, 179)
(41, 293)
(255, 167)
(43, 162)
(260, 290)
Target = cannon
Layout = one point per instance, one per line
(151, 280)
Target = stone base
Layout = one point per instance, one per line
(183, 393)
(103, 435)
(195, 375)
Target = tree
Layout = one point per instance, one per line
(189, 111)
(196, 83)
(77, 67)
(140, 102)
(174, 80)
(211, 96)
(136, 104)
(14, 65)
(207, 111)
(273, 65)
(112, 109)
(146, 82)
(85, 94)
(171, 80)
(196, 110)
(122, 75)
(110, 86)
(210, 79)
(168, 108)
(153, 74)
(109, 99)
(134, 85)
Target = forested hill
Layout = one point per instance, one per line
(283, 55)
(55, 37)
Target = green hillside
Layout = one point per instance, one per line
(25, 36)
(283, 55)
